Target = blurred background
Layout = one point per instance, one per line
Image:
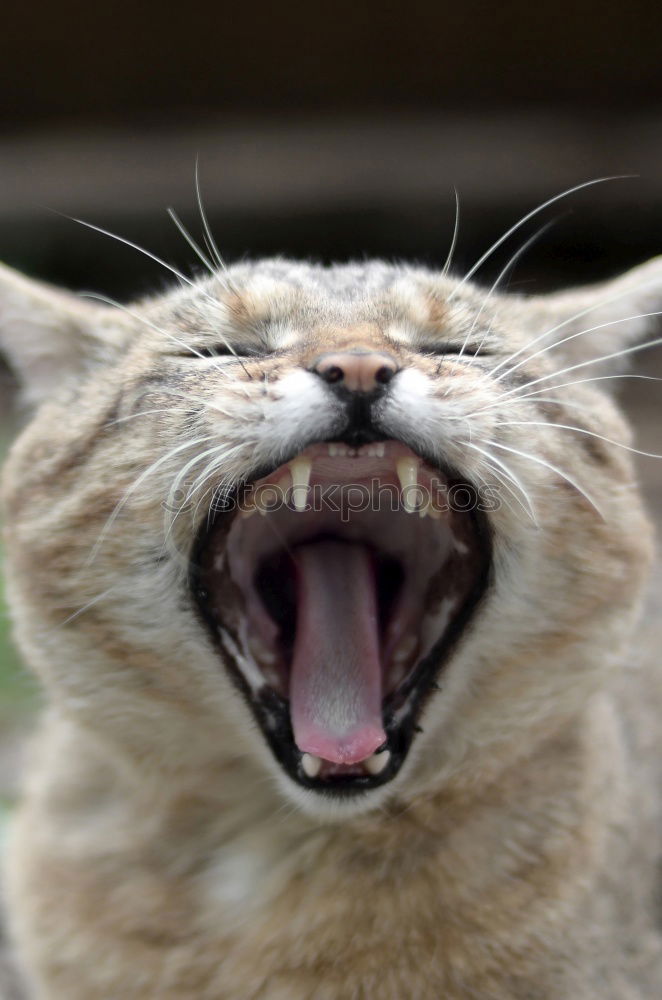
(326, 131)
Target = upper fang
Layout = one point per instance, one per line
(407, 469)
(300, 469)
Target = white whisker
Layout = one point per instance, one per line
(563, 385)
(554, 469)
(579, 430)
(571, 319)
(502, 274)
(583, 364)
(211, 242)
(511, 476)
(536, 211)
(135, 485)
(191, 242)
(456, 228)
(86, 607)
(146, 413)
(572, 336)
(178, 274)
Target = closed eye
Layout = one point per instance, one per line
(220, 350)
(443, 348)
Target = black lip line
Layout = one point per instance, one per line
(272, 710)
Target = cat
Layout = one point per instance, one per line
(333, 579)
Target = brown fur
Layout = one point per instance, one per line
(155, 855)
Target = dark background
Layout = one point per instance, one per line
(328, 130)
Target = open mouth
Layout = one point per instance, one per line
(337, 585)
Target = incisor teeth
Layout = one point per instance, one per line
(380, 450)
(376, 764)
(407, 469)
(311, 765)
(300, 469)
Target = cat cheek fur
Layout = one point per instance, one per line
(178, 854)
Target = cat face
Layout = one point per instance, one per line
(372, 529)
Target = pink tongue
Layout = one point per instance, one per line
(336, 678)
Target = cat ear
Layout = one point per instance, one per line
(603, 321)
(49, 337)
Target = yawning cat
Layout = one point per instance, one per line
(330, 576)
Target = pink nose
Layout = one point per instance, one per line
(358, 371)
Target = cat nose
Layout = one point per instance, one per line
(358, 370)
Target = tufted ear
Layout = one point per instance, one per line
(596, 321)
(49, 337)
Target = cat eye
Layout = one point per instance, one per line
(220, 350)
(443, 348)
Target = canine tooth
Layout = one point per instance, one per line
(300, 469)
(376, 764)
(311, 765)
(380, 450)
(407, 469)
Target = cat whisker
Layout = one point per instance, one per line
(180, 478)
(571, 319)
(563, 385)
(497, 283)
(456, 228)
(191, 242)
(86, 607)
(529, 509)
(205, 403)
(583, 364)
(135, 485)
(200, 482)
(508, 267)
(147, 413)
(135, 246)
(536, 211)
(502, 274)
(552, 468)
(169, 267)
(572, 336)
(481, 481)
(106, 300)
(210, 241)
(579, 430)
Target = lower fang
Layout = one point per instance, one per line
(311, 765)
(377, 763)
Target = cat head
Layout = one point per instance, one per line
(365, 529)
